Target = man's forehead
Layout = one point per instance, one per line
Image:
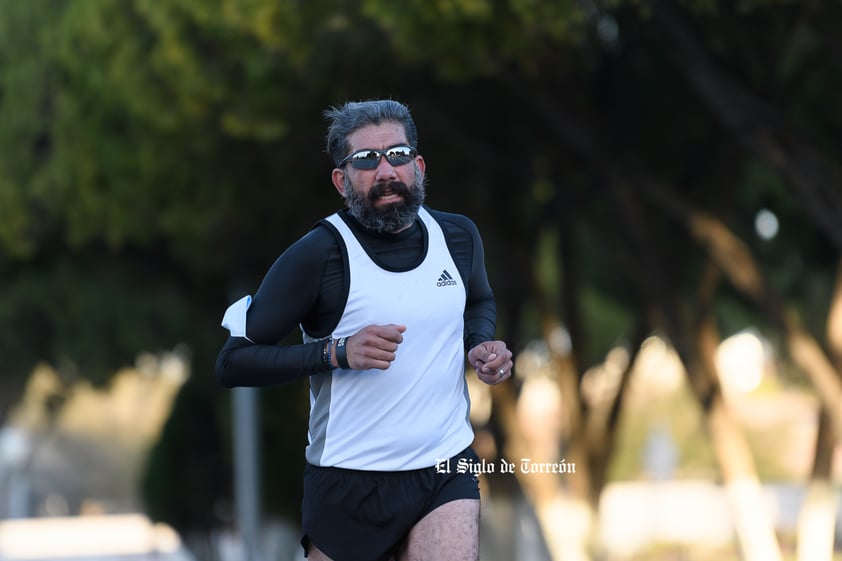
(382, 135)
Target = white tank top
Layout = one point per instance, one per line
(415, 413)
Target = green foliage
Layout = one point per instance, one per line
(90, 313)
(25, 121)
(462, 39)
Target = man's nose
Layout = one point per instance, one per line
(385, 170)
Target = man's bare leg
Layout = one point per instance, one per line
(449, 533)
(316, 554)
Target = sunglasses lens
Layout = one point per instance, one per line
(399, 155)
(365, 159)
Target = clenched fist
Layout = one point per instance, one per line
(373, 346)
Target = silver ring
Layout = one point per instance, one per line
(501, 372)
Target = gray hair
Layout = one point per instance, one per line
(358, 114)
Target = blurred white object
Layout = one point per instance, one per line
(89, 538)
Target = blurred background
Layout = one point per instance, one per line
(659, 191)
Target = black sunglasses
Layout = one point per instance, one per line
(369, 158)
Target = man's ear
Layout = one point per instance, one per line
(338, 178)
(421, 165)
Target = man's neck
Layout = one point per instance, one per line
(383, 233)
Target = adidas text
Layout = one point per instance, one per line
(445, 279)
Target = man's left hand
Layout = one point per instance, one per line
(493, 362)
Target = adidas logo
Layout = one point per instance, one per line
(445, 279)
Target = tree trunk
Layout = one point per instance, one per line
(565, 522)
(745, 495)
(817, 519)
(742, 484)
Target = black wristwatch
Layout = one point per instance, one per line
(342, 353)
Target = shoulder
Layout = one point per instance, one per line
(322, 236)
(454, 224)
(309, 251)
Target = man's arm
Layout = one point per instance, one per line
(288, 294)
(491, 358)
(480, 306)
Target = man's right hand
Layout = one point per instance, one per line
(373, 346)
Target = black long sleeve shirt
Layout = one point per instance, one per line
(308, 286)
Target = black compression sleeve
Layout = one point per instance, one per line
(288, 295)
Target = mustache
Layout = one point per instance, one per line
(396, 187)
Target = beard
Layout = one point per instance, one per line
(387, 218)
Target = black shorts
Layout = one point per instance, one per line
(354, 515)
